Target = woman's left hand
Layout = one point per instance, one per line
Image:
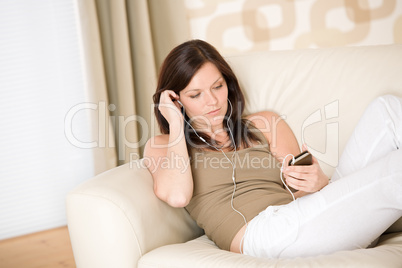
(306, 178)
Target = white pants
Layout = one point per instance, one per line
(349, 213)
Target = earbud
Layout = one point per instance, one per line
(179, 102)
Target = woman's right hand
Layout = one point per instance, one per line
(170, 109)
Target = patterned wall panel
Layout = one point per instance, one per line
(236, 26)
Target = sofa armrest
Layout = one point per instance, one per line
(115, 218)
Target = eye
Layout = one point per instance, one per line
(218, 87)
(195, 96)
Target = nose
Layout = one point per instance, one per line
(211, 99)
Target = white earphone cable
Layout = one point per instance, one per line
(286, 186)
(232, 162)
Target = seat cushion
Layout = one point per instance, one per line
(202, 252)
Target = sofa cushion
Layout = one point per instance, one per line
(321, 93)
(202, 252)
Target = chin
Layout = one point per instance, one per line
(217, 121)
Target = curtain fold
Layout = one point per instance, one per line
(145, 68)
(118, 67)
(130, 39)
(104, 153)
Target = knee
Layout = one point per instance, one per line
(387, 103)
(388, 100)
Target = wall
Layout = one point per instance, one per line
(237, 26)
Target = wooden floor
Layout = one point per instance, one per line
(47, 249)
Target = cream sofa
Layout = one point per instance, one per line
(115, 220)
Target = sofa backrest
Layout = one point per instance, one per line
(320, 92)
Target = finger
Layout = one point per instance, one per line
(285, 161)
(300, 185)
(292, 186)
(315, 161)
(295, 183)
(170, 94)
(295, 175)
(304, 147)
(298, 169)
(291, 183)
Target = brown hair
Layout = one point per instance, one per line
(176, 72)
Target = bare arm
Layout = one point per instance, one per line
(167, 159)
(280, 137)
(305, 179)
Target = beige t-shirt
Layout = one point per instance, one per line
(258, 186)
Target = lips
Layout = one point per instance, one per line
(214, 112)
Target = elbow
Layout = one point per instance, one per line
(178, 201)
(173, 199)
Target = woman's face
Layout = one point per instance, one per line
(205, 98)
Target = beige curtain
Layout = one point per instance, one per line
(124, 44)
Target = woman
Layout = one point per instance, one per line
(234, 189)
